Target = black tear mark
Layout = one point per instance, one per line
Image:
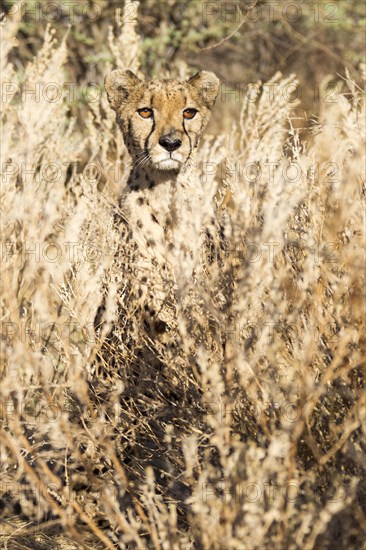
(146, 144)
(189, 139)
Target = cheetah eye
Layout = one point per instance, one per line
(189, 113)
(145, 112)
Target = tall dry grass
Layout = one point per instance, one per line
(247, 430)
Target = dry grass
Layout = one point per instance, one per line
(248, 432)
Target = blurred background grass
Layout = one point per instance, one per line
(242, 41)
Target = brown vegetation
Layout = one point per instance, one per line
(249, 432)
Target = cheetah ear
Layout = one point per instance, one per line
(119, 85)
(207, 85)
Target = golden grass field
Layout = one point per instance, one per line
(248, 433)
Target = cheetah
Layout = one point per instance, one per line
(161, 122)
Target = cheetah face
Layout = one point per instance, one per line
(161, 120)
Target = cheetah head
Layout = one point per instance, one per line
(161, 120)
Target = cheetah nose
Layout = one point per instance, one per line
(170, 144)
